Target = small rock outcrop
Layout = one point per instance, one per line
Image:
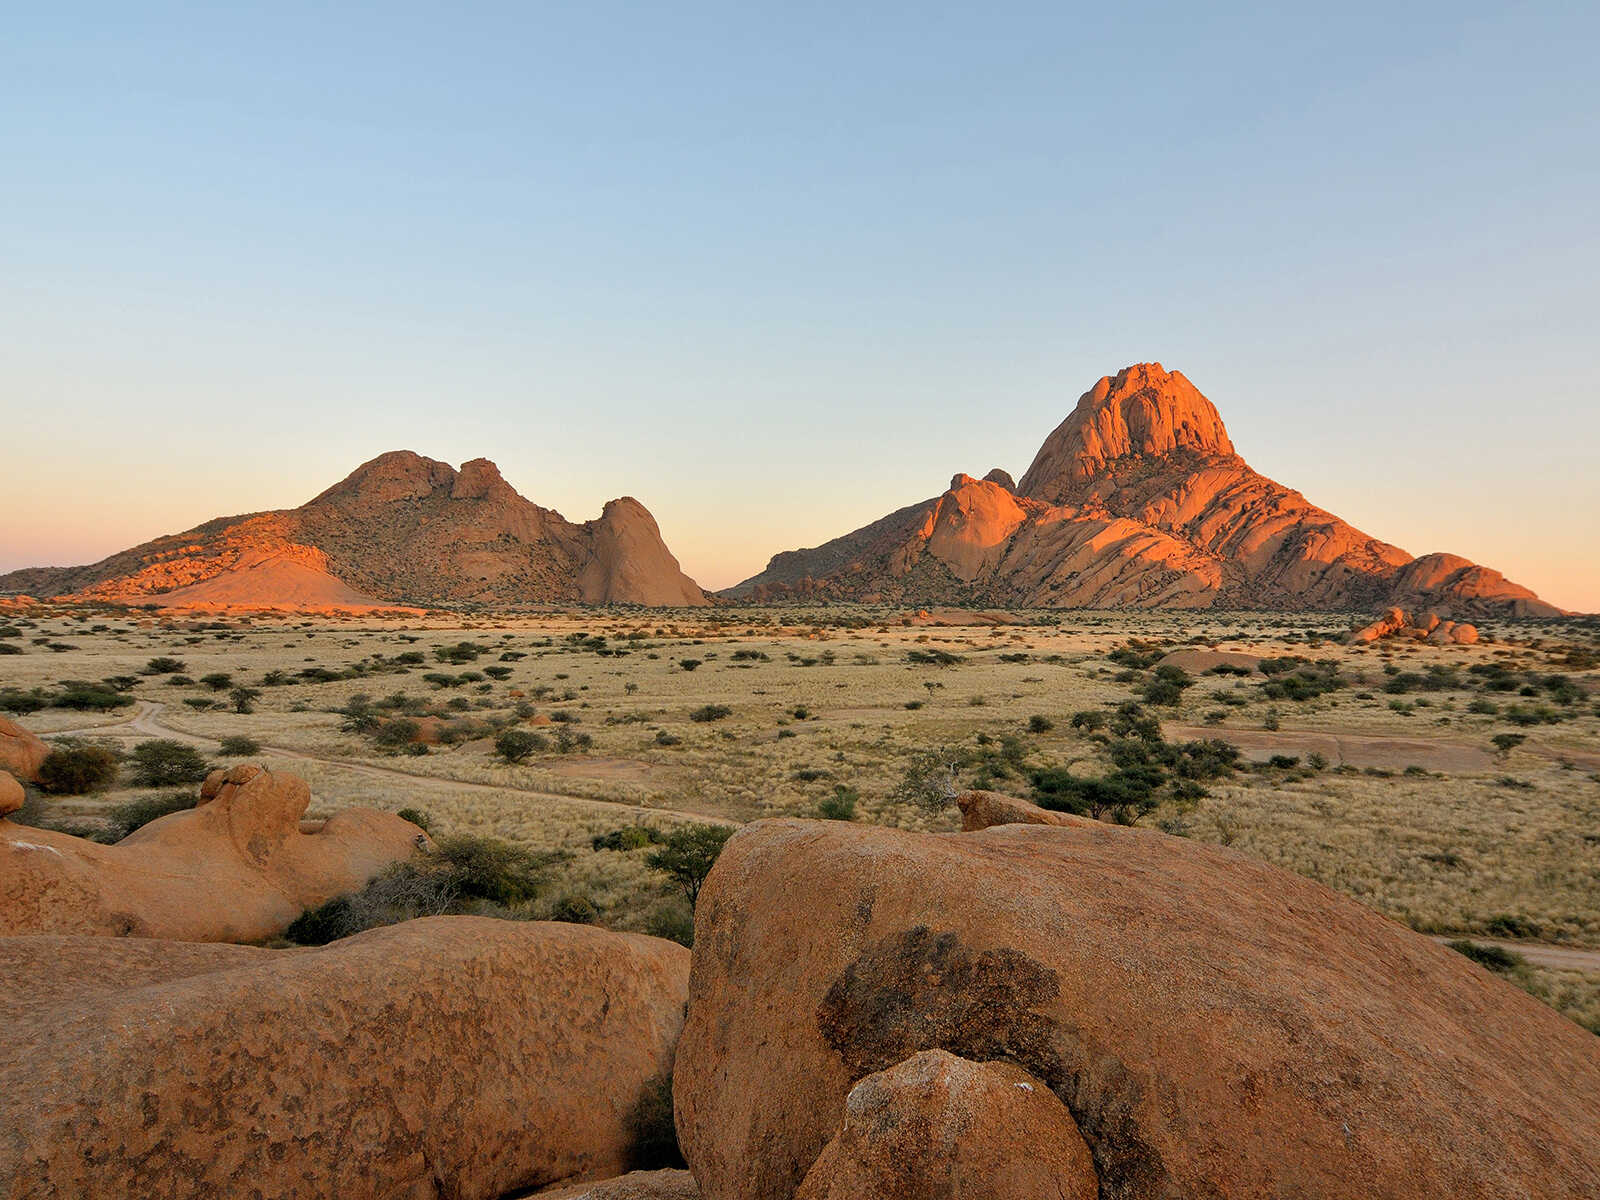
(1428, 627)
(937, 1127)
(1213, 1025)
(980, 810)
(444, 1057)
(21, 752)
(236, 868)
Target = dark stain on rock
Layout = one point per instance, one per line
(920, 990)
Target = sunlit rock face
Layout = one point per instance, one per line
(1137, 499)
(399, 530)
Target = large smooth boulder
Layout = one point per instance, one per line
(937, 1127)
(21, 752)
(237, 868)
(457, 1057)
(1215, 1026)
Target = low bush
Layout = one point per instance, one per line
(164, 762)
(135, 814)
(75, 767)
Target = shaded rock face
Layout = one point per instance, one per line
(449, 1057)
(401, 529)
(1137, 499)
(21, 752)
(234, 869)
(938, 1127)
(1213, 1026)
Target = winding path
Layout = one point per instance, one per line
(145, 722)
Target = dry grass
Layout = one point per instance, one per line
(826, 698)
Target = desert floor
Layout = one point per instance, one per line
(1397, 797)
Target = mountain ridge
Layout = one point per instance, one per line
(1138, 498)
(401, 529)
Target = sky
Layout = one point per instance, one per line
(779, 269)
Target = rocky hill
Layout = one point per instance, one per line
(401, 529)
(1137, 499)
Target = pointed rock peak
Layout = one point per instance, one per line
(1003, 478)
(396, 475)
(1143, 411)
(480, 479)
(960, 480)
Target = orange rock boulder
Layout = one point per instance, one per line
(937, 1127)
(21, 752)
(236, 868)
(12, 797)
(457, 1057)
(1214, 1026)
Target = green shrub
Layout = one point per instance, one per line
(163, 666)
(74, 767)
(575, 910)
(687, 855)
(711, 712)
(841, 805)
(1495, 958)
(630, 837)
(517, 745)
(163, 762)
(239, 746)
(140, 812)
(1040, 724)
(417, 817)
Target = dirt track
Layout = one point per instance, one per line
(145, 722)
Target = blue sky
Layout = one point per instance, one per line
(777, 270)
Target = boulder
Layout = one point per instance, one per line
(12, 797)
(1392, 622)
(1215, 1026)
(937, 1127)
(1198, 662)
(1464, 635)
(236, 868)
(980, 810)
(458, 1057)
(21, 752)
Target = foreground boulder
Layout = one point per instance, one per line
(1215, 1027)
(237, 868)
(21, 752)
(937, 1127)
(458, 1057)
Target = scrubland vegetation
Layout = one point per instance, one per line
(1456, 789)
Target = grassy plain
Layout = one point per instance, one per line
(1410, 808)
